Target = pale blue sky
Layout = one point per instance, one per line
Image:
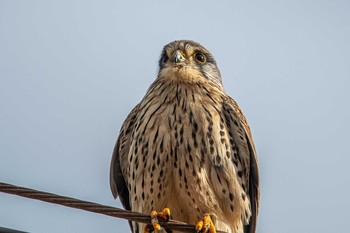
(71, 71)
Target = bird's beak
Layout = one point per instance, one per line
(178, 57)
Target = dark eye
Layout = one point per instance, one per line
(165, 58)
(200, 57)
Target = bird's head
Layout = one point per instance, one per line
(188, 61)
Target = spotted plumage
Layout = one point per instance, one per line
(187, 146)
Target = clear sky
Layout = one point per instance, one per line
(71, 71)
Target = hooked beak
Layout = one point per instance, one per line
(178, 57)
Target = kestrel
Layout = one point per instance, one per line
(188, 146)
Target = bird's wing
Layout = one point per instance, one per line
(247, 150)
(117, 181)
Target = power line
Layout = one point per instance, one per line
(94, 207)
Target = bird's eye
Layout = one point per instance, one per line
(200, 57)
(165, 59)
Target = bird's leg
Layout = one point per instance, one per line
(165, 214)
(205, 225)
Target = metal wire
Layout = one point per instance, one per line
(94, 207)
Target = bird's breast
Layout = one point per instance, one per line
(177, 127)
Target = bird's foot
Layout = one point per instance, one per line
(165, 214)
(205, 225)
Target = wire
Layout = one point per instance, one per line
(94, 207)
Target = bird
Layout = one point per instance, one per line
(188, 147)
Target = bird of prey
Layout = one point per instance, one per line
(187, 146)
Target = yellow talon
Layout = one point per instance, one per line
(205, 225)
(165, 214)
(199, 226)
(154, 220)
(212, 228)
